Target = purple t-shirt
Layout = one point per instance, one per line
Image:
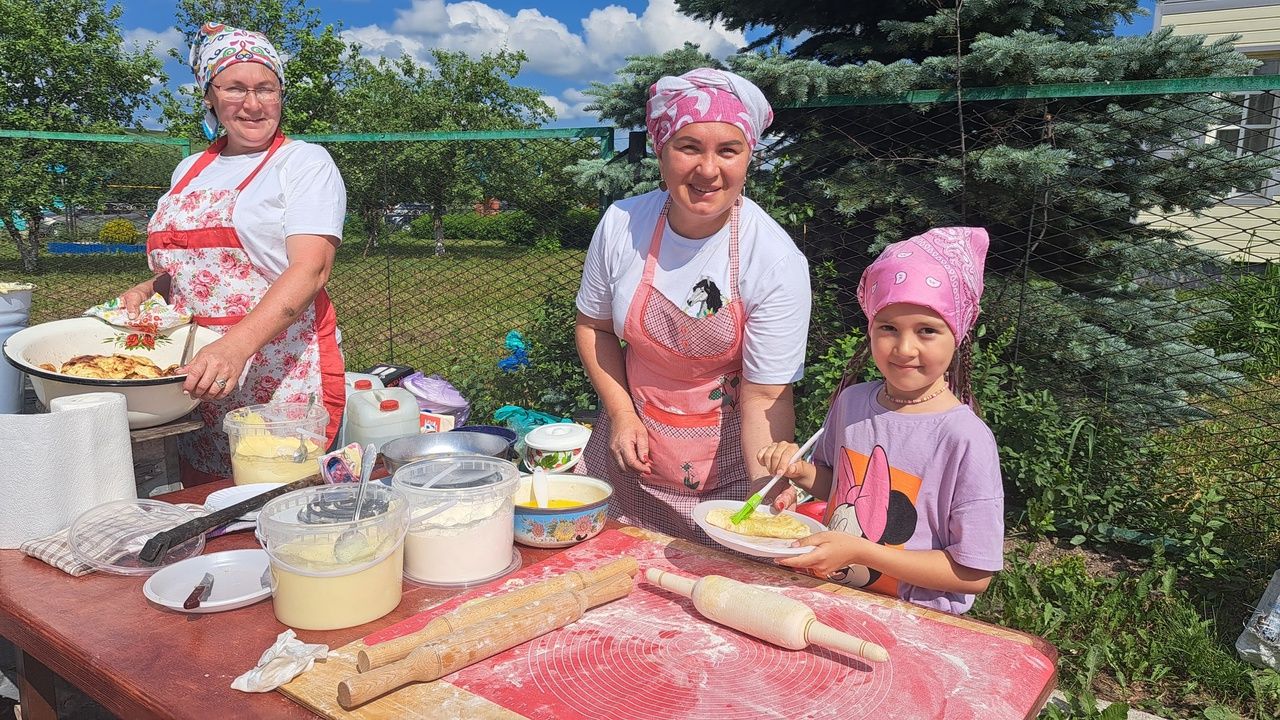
(917, 481)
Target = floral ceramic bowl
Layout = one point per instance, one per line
(580, 506)
(151, 401)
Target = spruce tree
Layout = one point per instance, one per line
(1064, 185)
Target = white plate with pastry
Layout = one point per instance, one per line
(752, 535)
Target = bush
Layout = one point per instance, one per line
(1253, 326)
(119, 232)
(553, 381)
(512, 227)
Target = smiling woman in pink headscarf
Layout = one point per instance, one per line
(244, 241)
(711, 298)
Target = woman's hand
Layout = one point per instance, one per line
(215, 371)
(629, 443)
(832, 551)
(775, 458)
(134, 297)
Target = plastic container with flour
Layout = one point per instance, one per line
(462, 525)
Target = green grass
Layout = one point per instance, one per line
(400, 304)
(1132, 638)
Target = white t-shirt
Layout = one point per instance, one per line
(299, 192)
(773, 278)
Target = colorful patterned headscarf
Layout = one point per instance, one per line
(940, 270)
(705, 95)
(217, 48)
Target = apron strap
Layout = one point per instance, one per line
(655, 244)
(211, 153)
(275, 145)
(207, 157)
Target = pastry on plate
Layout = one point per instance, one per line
(759, 524)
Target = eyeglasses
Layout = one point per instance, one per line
(266, 96)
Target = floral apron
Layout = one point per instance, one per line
(192, 239)
(684, 375)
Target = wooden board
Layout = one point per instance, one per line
(652, 655)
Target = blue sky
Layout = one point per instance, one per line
(569, 43)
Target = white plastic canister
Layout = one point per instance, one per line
(15, 309)
(379, 415)
(354, 383)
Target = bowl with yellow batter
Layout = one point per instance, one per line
(576, 511)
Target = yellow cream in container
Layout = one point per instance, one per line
(330, 571)
(265, 440)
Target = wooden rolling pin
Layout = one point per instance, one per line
(481, 609)
(483, 640)
(769, 616)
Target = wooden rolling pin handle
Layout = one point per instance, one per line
(677, 584)
(480, 609)
(475, 643)
(828, 637)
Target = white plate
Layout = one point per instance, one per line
(757, 546)
(228, 496)
(238, 580)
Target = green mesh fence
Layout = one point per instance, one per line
(1130, 361)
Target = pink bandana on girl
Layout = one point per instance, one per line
(940, 270)
(705, 95)
(219, 47)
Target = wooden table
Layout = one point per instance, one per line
(140, 661)
(137, 660)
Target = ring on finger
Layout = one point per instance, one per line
(221, 383)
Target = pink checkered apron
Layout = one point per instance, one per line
(684, 375)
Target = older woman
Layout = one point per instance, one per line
(711, 298)
(245, 240)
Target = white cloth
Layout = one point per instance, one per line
(287, 658)
(299, 192)
(773, 280)
(45, 487)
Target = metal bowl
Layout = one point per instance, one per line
(404, 450)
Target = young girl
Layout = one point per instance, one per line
(915, 499)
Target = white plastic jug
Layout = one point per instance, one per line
(355, 382)
(15, 309)
(376, 416)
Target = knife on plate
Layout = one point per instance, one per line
(199, 593)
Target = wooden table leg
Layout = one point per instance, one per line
(36, 689)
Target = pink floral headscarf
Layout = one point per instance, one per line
(705, 95)
(217, 48)
(940, 270)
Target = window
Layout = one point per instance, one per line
(1251, 128)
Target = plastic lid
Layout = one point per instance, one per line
(108, 537)
(558, 437)
(363, 385)
(463, 478)
(302, 530)
(389, 405)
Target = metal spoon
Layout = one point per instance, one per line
(300, 455)
(351, 544)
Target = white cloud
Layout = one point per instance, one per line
(571, 104)
(136, 39)
(607, 35)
